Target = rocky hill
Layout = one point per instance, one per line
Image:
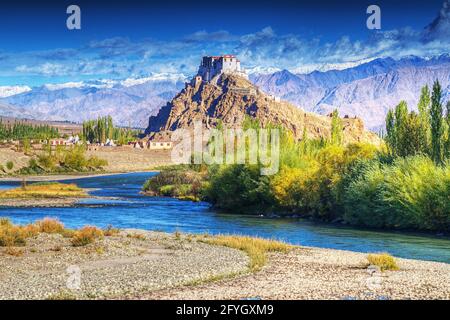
(231, 98)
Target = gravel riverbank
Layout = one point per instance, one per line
(39, 202)
(118, 266)
(315, 273)
(136, 264)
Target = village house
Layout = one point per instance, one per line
(58, 142)
(159, 144)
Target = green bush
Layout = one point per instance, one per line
(240, 188)
(176, 182)
(10, 165)
(411, 193)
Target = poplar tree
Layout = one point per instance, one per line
(447, 143)
(436, 123)
(390, 131)
(336, 128)
(424, 116)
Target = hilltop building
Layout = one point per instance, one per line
(211, 66)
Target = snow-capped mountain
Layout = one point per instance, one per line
(130, 101)
(7, 91)
(367, 90)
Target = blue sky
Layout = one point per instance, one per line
(121, 39)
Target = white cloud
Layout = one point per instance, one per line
(173, 77)
(260, 51)
(58, 86)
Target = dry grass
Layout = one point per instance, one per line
(256, 248)
(48, 225)
(62, 295)
(383, 260)
(12, 251)
(110, 231)
(44, 190)
(137, 236)
(86, 235)
(12, 235)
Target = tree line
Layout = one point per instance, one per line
(102, 129)
(20, 130)
(426, 132)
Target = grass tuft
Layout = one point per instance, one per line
(256, 248)
(137, 236)
(383, 260)
(86, 235)
(49, 225)
(110, 231)
(15, 252)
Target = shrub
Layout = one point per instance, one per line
(409, 193)
(47, 161)
(137, 236)
(48, 225)
(85, 236)
(75, 159)
(12, 236)
(313, 187)
(240, 188)
(294, 188)
(30, 230)
(383, 260)
(110, 231)
(14, 251)
(96, 163)
(5, 222)
(10, 165)
(177, 182)
(167, 190)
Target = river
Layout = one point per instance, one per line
(129, 209)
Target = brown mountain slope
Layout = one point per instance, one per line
(231, 97)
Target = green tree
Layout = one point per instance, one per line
(425, 117)
(447, 143)
(436, 123)
(390, 130)
(401, 117)
(336, 128)
(414, 135)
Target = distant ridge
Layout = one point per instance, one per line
(366, 91)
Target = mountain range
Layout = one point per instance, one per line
(366, 90)
(131, 102)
